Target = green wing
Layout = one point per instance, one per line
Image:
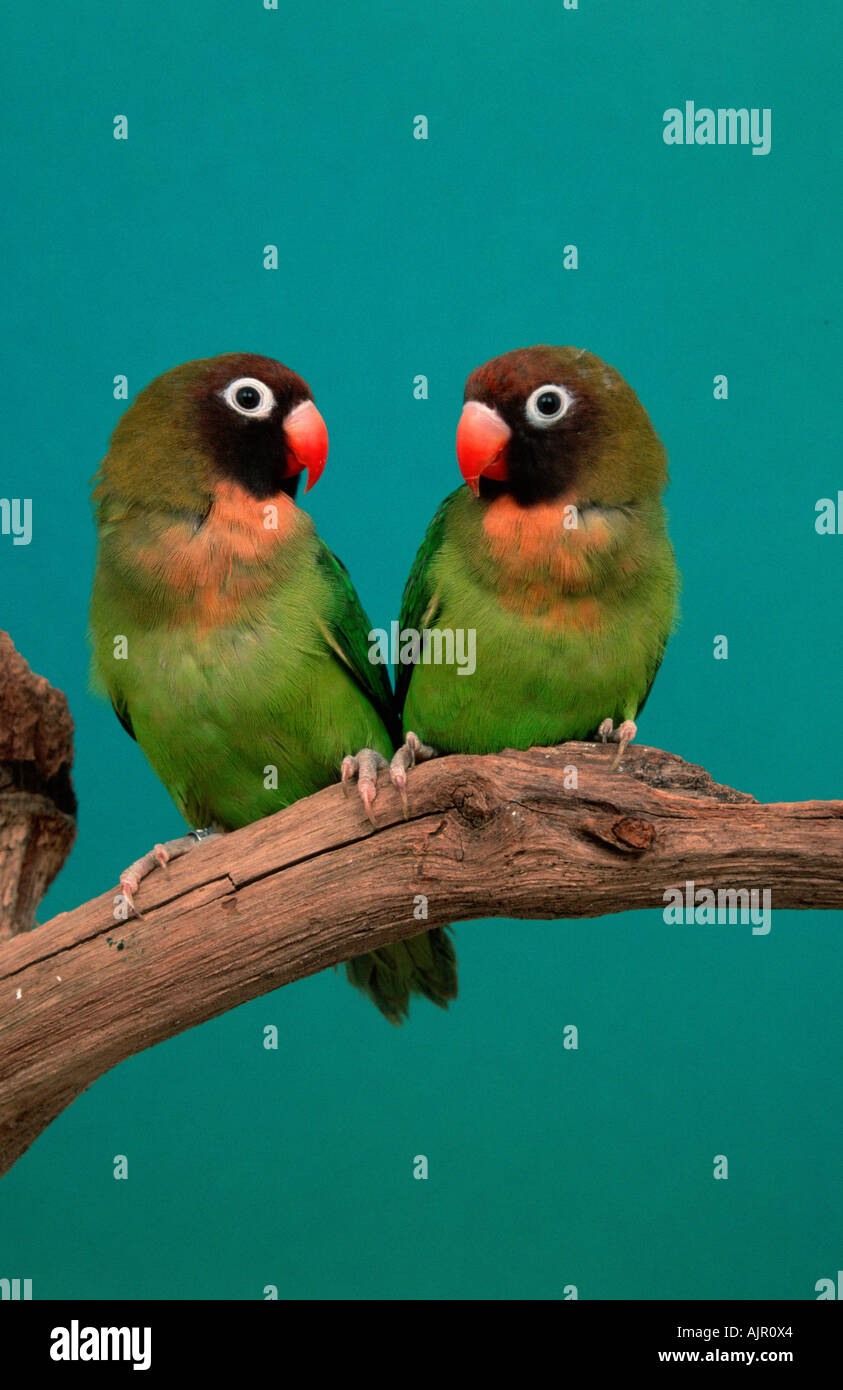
(420, 604)
(121, 709)
(347, 633)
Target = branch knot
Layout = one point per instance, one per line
(476, 803)
(624, 834)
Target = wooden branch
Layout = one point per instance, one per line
(501, 835)
(37, 805)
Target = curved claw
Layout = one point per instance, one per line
(412, 751)
(364, 766)
(129, 884)
(623, 736)
(159, 856)
(398, 778)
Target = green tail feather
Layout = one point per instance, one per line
(424, 964)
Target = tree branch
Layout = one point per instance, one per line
(37, 804)
(311, 886)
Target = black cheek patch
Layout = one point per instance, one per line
(541, 467)
(249, 452)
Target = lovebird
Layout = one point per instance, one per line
(229, 638)
(555, 553)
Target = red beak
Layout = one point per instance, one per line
(306, 436)
(482, 439)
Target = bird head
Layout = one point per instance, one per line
(238, 419)
(545, 423)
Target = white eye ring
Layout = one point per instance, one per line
(540, 417)
(264, 405)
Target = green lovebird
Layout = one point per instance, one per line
(228, 637)
(555, 556)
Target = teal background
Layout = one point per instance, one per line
(547, 1167)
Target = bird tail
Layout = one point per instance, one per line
(425, 964)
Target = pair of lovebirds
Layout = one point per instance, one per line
(245, 644)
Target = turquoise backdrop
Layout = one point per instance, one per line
(400, 257)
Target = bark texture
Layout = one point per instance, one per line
(503, 835)
(37, 805)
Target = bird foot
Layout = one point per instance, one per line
(412, 751)
(159, 856)
(364, 766)
(622, 735)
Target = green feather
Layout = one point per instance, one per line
(216, 710)
(418, 605)
(535, 684)
(425, 964)
(349, 628)
(246, 713)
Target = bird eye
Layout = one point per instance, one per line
(248, 396)
(547, 404)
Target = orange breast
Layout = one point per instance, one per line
(224, 562)
(544, 552)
